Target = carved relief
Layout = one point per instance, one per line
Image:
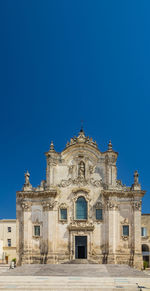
(48, 205)
(92, 169)
(112, 205)
(81, 225)
(26, 206)
(81, 181)
(136, 205)
(81, 171)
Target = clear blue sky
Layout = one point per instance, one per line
(64, 61)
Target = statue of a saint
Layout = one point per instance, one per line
(82, 170)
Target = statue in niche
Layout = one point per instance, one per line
(81, 170)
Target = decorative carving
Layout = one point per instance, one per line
(125, 237)
(125, 221)
(63, 206)
(81, 225)
(136, 205)
(81, 181)
(27, 186)
(136, 185)
(92, 169)
(112, 205)
(26, 206)
(81, 172)
(37, 194)
(48, 205)
(78, 181)
(76, 190)
(99, 205)
(81, 138)
(96, 183)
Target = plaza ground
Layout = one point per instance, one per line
(72, 277)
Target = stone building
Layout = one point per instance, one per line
(81, 211)
(7, 240)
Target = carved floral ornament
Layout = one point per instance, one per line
(48, 205)
(99, 205)
(26, 206)
(81, 181)
(81, 225)
(136, 205)
(63, 206)
(112, 205)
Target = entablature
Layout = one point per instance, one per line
(38, 194)
(122, 194)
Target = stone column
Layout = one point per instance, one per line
(48, 208)
(27, 232)
(137, 261)
(112, 224)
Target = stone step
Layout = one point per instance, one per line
(65, 284)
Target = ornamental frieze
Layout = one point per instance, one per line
(80, 181)
(81, 225)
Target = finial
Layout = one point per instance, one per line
(110, 146)
(136, 186)
(51, 146)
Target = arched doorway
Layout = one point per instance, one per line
(145, 254)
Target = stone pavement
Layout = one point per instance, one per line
(74, 277)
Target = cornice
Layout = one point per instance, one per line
(37, 194)
(123, 193)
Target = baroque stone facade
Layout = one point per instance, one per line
(81, 211)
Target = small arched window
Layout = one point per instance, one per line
(81, 208)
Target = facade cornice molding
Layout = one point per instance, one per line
(139, 193)
(37, 194)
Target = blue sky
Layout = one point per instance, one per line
(66, 61)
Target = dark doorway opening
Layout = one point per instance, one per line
(81, 247)
(145, 254)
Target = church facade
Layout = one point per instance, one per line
(81, 211)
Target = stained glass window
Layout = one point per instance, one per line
(63, 214)
(81, 208)
(99, 214)
(37, 230)
(126, 230)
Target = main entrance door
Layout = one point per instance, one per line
(81, 247)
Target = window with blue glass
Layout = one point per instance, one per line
(143, 231)
(81, 208)
(125, 230)
(99, 214)
(63, 214)
(37, 230)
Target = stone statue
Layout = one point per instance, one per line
(27, 176)
(136, 178)
(82, 170)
